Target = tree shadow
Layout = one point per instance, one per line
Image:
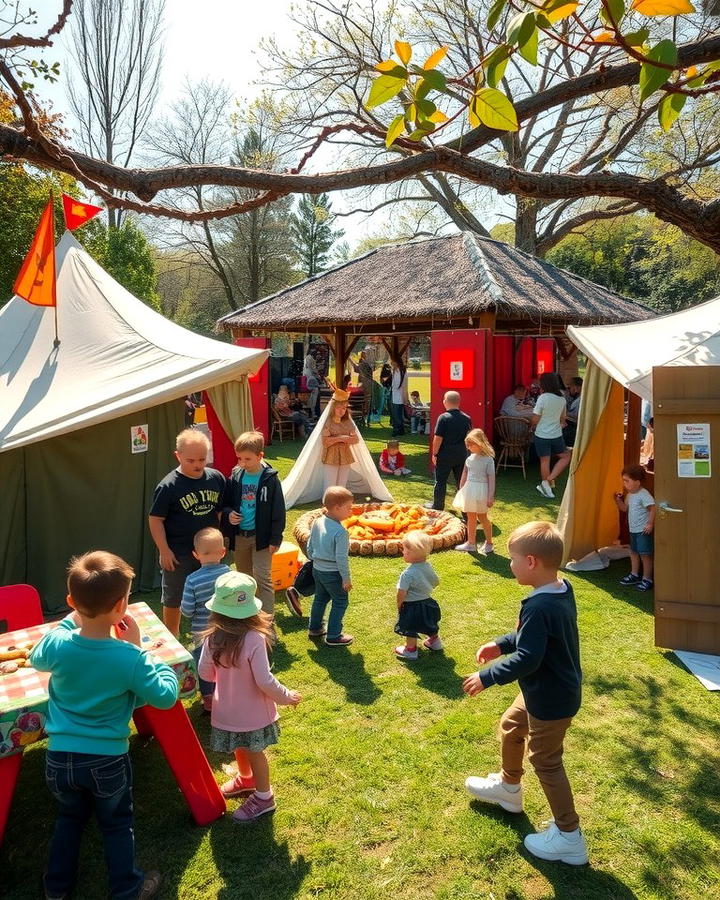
(348, 670)
(253, 863)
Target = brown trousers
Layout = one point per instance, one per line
(256, 563)
(545, 752)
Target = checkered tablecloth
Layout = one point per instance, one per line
(24, 694)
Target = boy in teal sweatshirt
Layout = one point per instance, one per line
(95, 684)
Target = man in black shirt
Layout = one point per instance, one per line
(448, 448)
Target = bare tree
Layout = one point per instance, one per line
(118, 55)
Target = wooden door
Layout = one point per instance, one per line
(687, 591)
(462, 361)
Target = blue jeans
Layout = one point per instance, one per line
(328, 589)
(397, 418)
(207, 688)
(82, 784)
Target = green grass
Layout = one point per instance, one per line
(370, 769)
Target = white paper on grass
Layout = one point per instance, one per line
(704, 666)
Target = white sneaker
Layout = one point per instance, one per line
(559, 846)
(492, 790)
(467, 547)
(433, 644)
(404, 652)
(545, 489)
(429, 505)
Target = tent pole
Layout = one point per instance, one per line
(632, 437)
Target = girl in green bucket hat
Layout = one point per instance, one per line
(244, 712)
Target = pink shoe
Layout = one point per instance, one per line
(253, 808)
(238, 785)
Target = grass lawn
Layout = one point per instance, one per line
(370, 769)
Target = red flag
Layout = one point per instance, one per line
(36, 279)
(77, 213)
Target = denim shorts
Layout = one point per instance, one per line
(642, 543)
(549, 446)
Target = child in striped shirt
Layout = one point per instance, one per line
(199, 588)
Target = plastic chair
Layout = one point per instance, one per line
(19, 607)
(514, 436)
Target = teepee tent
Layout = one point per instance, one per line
(71, 479)
(304, 483)
(622, 356)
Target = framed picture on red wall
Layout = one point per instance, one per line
(457, 368)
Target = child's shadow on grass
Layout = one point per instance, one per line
(569, 882)
(498, 565)
(436, 672)
(253, 863)
(348, 670)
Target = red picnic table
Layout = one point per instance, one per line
(23, 710)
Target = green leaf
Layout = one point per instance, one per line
(435, 79)
(495, 12)
(395, 129)
(529, 50)
(384, 88)
(637, 38)
(669, 109)
(493, 109)
(425, 109)
(616, 7)
(520, 28)
(496, 64)
(652, 77)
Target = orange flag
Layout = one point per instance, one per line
(36, 279)
(77, 213)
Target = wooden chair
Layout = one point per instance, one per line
(281, 426)
(514, 436)
(19, 607)
(359, 409)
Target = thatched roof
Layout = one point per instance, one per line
(438, 279)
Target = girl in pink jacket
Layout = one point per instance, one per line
(244, 714)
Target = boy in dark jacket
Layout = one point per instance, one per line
(543, 655)
(255, 507)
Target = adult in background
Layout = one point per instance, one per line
(364, 372)
(399, 398)
(312, 383)
(549, 417)
(514, 404)
(448, 447)
(573, 409)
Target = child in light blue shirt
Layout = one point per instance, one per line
(418, 611)
(96, 682)
(199, 588)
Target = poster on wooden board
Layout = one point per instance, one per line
(693, 451)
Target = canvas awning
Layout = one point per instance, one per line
(628, 353)
(116, 356)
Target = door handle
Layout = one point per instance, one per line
(665, 507)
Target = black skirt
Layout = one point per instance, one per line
(418, 617)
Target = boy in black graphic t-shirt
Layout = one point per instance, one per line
(187, 500)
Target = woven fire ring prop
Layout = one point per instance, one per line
(377, 529)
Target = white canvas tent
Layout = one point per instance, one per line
(70, 481)
(622, 356)
(627, 353)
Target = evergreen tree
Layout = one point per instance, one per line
(313, 234)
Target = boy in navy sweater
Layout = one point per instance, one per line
(543, 655)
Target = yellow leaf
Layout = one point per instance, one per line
(562, 12)
(691, 72)
(663, 7)
(387, 65)
(404, 51)
(493, 109)
(435, 58)
(395, 129)
(605, 37)
(438, 117)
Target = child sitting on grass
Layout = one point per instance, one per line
(199, 587)
(418, 613)
(96, 681)
(392, 461)
(543, 655)
(328, 547)
(639, 504)
(244, 714)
